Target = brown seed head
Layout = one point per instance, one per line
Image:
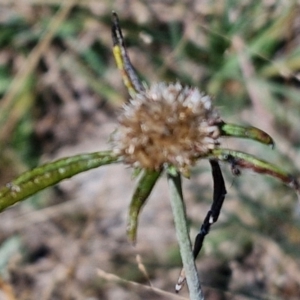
(167, 124)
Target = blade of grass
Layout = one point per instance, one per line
(17, 85)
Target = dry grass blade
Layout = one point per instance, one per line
(116, 279)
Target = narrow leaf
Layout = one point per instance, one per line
(49, 174)
(140, 196)
(215, 209)
(239, 159)
(250, 132)
(123, 62)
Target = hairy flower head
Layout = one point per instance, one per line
(167, 124)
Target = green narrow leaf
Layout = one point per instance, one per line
(239, 159)
(49, 174)
(141, 194)
(250, 132)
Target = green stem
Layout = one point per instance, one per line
(178, 208)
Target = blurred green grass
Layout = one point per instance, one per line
(245, 54)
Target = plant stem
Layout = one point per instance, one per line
(178, 208)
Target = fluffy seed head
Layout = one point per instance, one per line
(167, 124)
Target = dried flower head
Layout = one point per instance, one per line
(166, 124)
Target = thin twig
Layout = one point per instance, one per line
(117, 279)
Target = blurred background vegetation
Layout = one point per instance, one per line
(60, 93)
